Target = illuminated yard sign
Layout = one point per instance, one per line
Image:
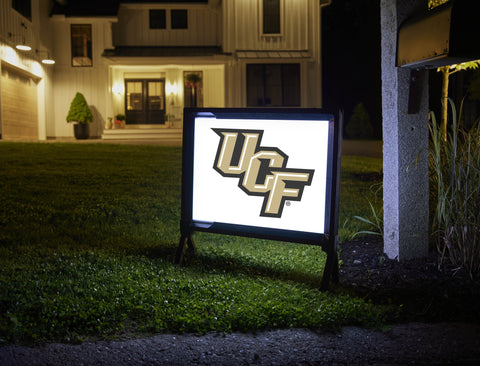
(265, 173)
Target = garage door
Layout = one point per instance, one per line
(19, 118)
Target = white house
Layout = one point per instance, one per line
(147, 60)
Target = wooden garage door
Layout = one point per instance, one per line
(19, 105)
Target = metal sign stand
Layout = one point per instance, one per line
(330, 246)
(186, 242)
(331, 271)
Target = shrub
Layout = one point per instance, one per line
(359, 125)
(455, 178)
(79, 110)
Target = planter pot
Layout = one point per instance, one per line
(81, 131)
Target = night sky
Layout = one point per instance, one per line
(351, 58)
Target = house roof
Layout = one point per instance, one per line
(89, 8)
(156, 51)
(166, 1)
(274, 54)
(85, 8)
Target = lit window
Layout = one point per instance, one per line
(81, 45)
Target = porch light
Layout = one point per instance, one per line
(118, 89)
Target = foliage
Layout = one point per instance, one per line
(375, 222)
(193, 78)
(446, 72)
(120, 117)
(79, 110)
(455, 170)
(359, 125)
(80, 264)
(434, 3)
(360, 195)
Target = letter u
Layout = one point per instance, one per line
(227, 147)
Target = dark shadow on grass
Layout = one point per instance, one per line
(240, 265)
(223, 263)
(162, 251)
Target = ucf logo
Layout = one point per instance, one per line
(261, 170)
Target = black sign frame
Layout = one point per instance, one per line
(328, 240)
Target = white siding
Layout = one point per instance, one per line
(37, 34)
(214, 86)
(92, 81)
(301, 24)
(11, 29)
(133, 29)
(243, 21)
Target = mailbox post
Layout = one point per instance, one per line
(423, 40)
(405, 184)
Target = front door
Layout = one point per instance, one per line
(145, 101)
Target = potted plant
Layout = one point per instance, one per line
(192, 81)
(120, 121)
(81, 115)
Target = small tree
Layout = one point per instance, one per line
(446, 72)
(359, 125)
(79, 110)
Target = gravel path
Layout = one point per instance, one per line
(405, 344)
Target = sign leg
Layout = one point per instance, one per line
(186, 242)
(331, 271)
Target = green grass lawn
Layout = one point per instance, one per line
(88, 234)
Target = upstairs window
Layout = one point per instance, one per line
(179, 19)
(81, 40)
(24, 7)
(271, 17)
(158, 19)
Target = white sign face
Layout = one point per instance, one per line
(264, 173)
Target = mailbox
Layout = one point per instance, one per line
(446, 35)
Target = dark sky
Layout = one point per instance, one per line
(351, 58)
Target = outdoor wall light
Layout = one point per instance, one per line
(118, 89)
(172, 88)
(22, 44)
(47, 60)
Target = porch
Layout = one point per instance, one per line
(144, 132)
